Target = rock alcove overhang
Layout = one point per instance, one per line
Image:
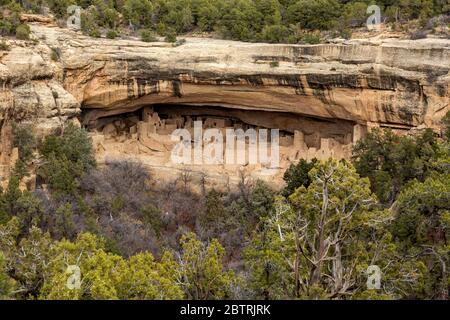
(364, 98)
(244, 92)
(328, 106)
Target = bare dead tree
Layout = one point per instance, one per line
(203, 177)
(186, 178)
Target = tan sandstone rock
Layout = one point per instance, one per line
(326, 96)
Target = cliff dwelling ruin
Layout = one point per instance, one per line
(146, 135)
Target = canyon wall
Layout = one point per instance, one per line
(389, 83)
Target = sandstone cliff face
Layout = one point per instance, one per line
(403, 83)
(30, 89)
(390, 83)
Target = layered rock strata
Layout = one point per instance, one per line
(332, 92)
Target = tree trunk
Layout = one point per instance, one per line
(316, 269)
(337, 269)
